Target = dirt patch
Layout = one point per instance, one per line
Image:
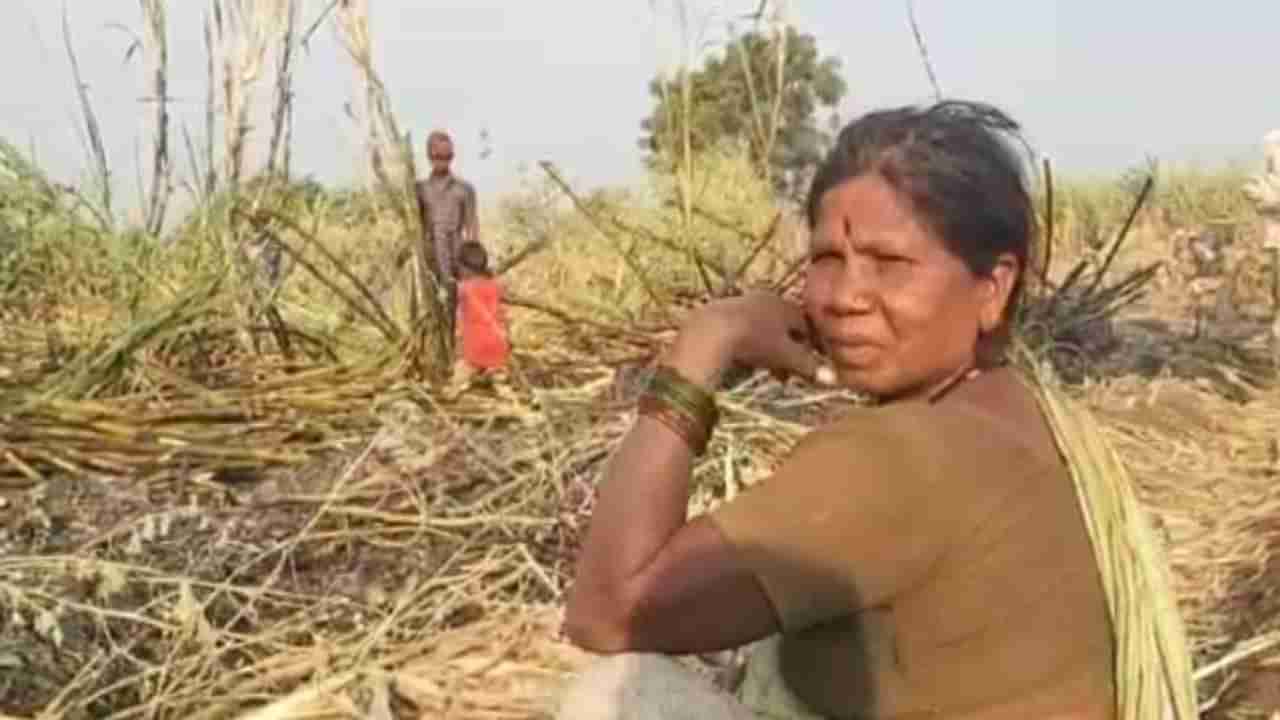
(1259, 695)
(1254, 692)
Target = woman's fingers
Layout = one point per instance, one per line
(797, 357)
(798, 351)
(775, 335)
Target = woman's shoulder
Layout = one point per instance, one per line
(998, 425)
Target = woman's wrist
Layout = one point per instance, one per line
(678, 395)
(701, 353)
(681, 392)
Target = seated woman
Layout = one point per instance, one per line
(925, 557)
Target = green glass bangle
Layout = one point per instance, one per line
(668, 383)
(694, 433)
(689, 410)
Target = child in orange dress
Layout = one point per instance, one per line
(481, 321)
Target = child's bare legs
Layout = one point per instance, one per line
(463, 372)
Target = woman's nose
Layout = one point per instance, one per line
(853, 289)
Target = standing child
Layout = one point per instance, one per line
(481, 322)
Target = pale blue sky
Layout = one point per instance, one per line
(1098, 85)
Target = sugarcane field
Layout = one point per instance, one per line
(262, 458)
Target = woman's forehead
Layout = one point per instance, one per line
(866, 210)
(867, 199)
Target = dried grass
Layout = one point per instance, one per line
(155, 42)
(244, 31)
(96, 149)
(443, 534)
(1207, 468)
(455, 511)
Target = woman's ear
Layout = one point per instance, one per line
(997, 290)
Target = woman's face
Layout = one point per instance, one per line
(895, 311)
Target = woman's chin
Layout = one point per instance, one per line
(869, 380)
(860, 379)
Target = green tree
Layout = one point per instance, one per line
(736, 96)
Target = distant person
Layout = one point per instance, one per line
(481, 322)
(450, 216)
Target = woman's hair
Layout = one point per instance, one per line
(473, 257)
(951, 163)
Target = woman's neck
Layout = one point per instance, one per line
(932, 392)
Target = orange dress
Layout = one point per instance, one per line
(481, 323)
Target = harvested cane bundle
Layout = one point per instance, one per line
(1154, 675)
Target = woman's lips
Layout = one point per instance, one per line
(852, 351)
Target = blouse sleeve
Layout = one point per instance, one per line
(849, 520)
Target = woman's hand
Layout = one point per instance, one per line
(757, 331)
